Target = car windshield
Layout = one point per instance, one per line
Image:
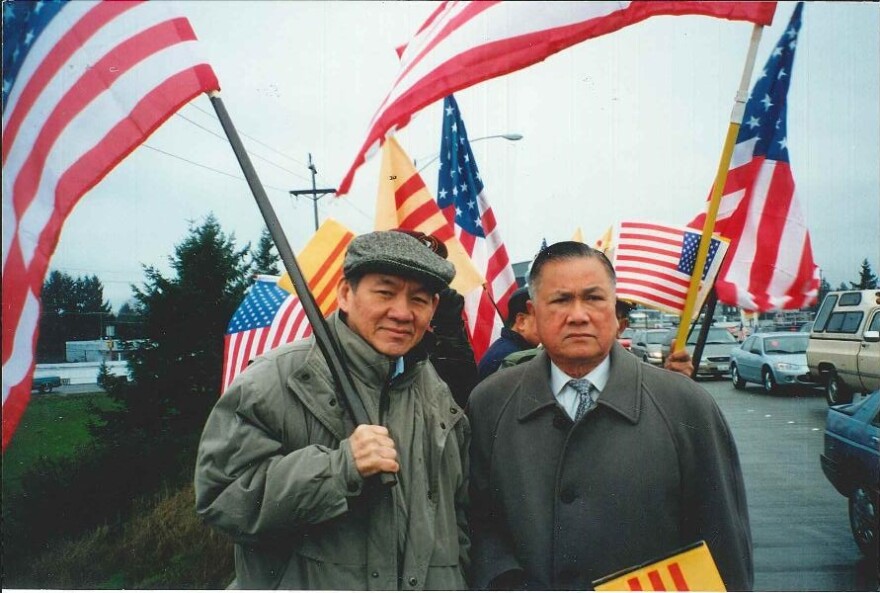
(786, 345)
(656, 337)
(716, 335)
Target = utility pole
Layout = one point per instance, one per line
(316, 194)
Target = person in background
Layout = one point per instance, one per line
(585, 461)
(678, 361)
(282, 468)
(517, 335)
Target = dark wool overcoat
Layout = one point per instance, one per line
(651, 469)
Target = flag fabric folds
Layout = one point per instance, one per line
(654, 264)
(770, 264)
(271, 314)
(84, 83)
(462, 199)
(403, 201)
(463, 43)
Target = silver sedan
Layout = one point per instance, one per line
(771, 360)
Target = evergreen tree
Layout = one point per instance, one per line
(176, 377)
(824, 289)
(72, 309)
(867, 277)
(265, 259)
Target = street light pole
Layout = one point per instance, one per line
(314, 191)
(510, 137)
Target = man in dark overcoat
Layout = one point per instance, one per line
(586, 461)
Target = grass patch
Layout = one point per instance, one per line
(54, 426)
(162, 546)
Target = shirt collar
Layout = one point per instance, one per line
(598, 377)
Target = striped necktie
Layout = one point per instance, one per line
(585, 402)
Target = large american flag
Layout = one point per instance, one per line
(654, 264)
(267, 317)
(461, 198)
(84, 83)
(770, 264)
(465, 42)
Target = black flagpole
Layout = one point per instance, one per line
(329, 348)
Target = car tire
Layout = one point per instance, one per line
(836, 391)
(738, 382)
(44, 388)
(863, 519)
(768, 380)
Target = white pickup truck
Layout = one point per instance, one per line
(844, 349)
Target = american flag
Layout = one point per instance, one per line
(267, 317)
(271, 314)
(770, 264)
(84, 83)
(463, 43)
(461, 198)
(654, 264)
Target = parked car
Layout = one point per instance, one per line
(45, 384)
(771, 360)
(851, 462)
(647, 345)
(715, 361)
(625, 338)
(844, 349)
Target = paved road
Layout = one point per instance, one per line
(800, 524)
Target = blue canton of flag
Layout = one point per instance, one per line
(22, 24)
(765, 116)
(258, 308)
(459, 181)
(688, 259)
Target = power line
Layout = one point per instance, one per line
(225, 140)
(260, 142)
(178, 157)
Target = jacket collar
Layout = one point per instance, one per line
(314, 385)
(622, 393)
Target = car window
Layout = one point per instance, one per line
(657, 337)
(756, 347)
(850, 299)
(875, 323)
(716, 335)
(786, 345)
(824, 312)
(845, 322)
(750, 341)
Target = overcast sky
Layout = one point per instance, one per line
(626, 126)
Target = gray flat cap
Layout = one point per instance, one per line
(398, 254)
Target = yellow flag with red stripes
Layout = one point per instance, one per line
(404, 202)
(321, 264)
(578, 235)
(605, 243)
(689, 569)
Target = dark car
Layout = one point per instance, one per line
(45, 384)
(647, 344)
(851, 462)
(715, 361)
(772, 360)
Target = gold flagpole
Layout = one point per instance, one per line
(736, 117)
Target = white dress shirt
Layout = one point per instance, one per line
(566, 395)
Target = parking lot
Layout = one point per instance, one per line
(800, 523)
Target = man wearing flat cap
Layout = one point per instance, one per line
(283, 470)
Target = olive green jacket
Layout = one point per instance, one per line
(275, 471)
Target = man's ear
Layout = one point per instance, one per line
(344, 292)
(434, 302)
